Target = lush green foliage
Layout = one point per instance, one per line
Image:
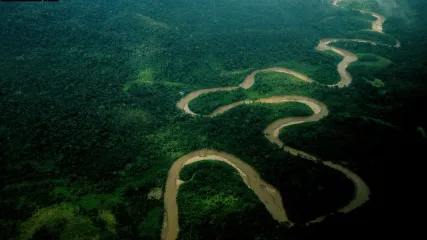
(215, 197)
(266, 85)
(88, 118)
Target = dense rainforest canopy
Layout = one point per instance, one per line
(89, 125)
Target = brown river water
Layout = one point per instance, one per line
(269, 196)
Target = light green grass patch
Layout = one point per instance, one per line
(63, 192)
(273, 84)
(144, 77)
(376, 83)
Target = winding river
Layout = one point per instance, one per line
(269, 195)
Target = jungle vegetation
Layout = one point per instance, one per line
(89, 125)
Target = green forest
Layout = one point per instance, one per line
(89, 125)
